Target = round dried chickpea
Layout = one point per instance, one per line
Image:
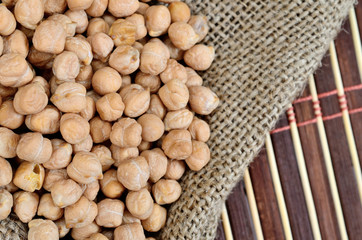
(30, 99)
(177, 144)
(97, 25)
(54, 176)
(154, 57)
(158, 19)
(67, 23)
(129, 218)
(122, 8)
(85, 168)
(200, 156)
(156, 220)
(110, 186)
(6, 172)
(39, 59)
(84, 146)
(175, 169)
(140, 203)
(179, 11)
(106, 80)
(104, 156)
(65, 192)
(97, 8)
(29, 176)
(126, 80)
(85, 76)
(8, 143)
(193, 79)
(42, 229)
(9, 117)
(42, 83)
(61, 156)
(144, 146)
(142, 8)
(166, 191)
(24, 7)
(152, 82)
(97, 236)
(33, 147)
(17, 42)
(76, 5)
(123, 32)
(132, 231)
(199, 57)
(174, 95)
(80, 213)
(109, 18)
(8, 22)
(15, 71)
(10, 187)
(46, 122)
(199, 129)
(54, 6)
(139, 21)
(202, 100)
(152, 127)
(136, 100)
(120, 154)
(110, 213)
(182, 35)
(156, 106)
(48, 209)
(174, 70)
(74, 128)
(6, 203)
(102, 46)
(179, 119)
(66, 65)
(49, 37)
(91, 190)
(133, 173)
(80, 18)
(82, 50)
(70, 97)
(86, 231)
(126, 133)
(125, 59)
(25, 205)
(110, 107)
(100, 130)
(200, 26)
(90, 110)
(158, 163)
(62, 229)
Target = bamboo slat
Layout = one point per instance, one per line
(226, 224)
(356, 39)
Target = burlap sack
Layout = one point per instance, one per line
(265, 50)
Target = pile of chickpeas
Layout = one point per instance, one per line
(100, 114)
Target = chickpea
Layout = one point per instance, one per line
(202, 100)
(97, 25)
(25, 205)
(67, 23)
(40, 59)
(166, 191)
(54, 6)
(193, 79)
(177, 144)
(200, 156)
(10, 187)
(91, 190)
(85, 76)
(46, 122)
(6, 203)
(109, 18)
(65, 193)
(139, 21)
(152, 127)
(102, 46)
(82, 50)
(100, 130)
(110, 186)
(70, 97)
(144, 146)
(132, 231)
(6, 172)
(42, 83)
(54, 176)
(66, 65)
(175, 53)
(86, 231)
(8, 143)
(15, 71)
(97, 236)
(48, 209)
(9, 117)
(129, 218)
(136, 100)
(174, 95)
(126, 133)
(157, 162)
(154, 57)
(156, 220)
(17, 42)
(84, 146)
(80, 18)
(47, 32)
(125, 59)
(122, 8)
(24, 7)
(152, 82)
(97, 8)
(199, 130)
(89, 111)
(80, 213)
(42, 229)
(33, 147)
(156, 107)
(126, 80)
(199, 57)
(200, 26)
(123, 32)
(140, 203)
(74, 128)
(142, 8)
(179, 119)
(30, 99)
(29, 176)
(104, 156)
(138, 46)
(174, 70)
(106, 80)
(179, 11)
(133, 173)
(110, 107)
(175, 169)
(158, 19)
(182, 35)
(85, 168)
(76, 5)
(110, 213)
(62, 229)
(61, 156)
(120, 154)
(8, 23)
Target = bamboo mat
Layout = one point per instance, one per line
(306, 182)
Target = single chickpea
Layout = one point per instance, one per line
(84, 146)
(144, 146)
(200, 130)
(97, 236)
(9, 117)
(140, 203)
(47, 32)
(74, 128)
(174, 70)
(158, 19)
(80, 18)
(40, 59)
(152, 82)
(174, 95)
(8, 143)
(157, 162)
(15, 71)
(66, 65)
(123, 32)
(120, 154)
(193, 79)
(70, 97)
(42, 229)
(175, 169)
(6, 172)
(126, 133)
(91, 190)
(142, 8)
(62, 229)
(106, 80)
(199, 57)
(104, 156)
(154, 57)
(136, 100)
(65, 193)
(100, 130)
(156, 220)
(110, 213)
(182, 35)
(86, 231)
(54, 176)
(152, 127)
(76, 5)
(8, 23)
(25, 205)
(82, 50)
(179, 119)
(166, 191)
(30, 99)
(177, 144)
(202, 100)
(90, 110)
(125, 59)
(97, 25)
(10, 187)
(85, 168)
(17, 42)
(132, 231)
(61, 156)
(179, 11)
(200, 156)
(156, 107)
(80, 213)
(97, 8)
(29, 176)
(46, 122)
(67, 23)
(102, 46)
(33, 147)
(24, 7)
(200, 26)
(122, 8)
(133, 173)
(85, 76)
(54, 6)
(175, 53)
(42, 83)
(126, 80)
(6, 203)
(110, 107)
(110, 186)
(139, 21)
(48, 209)
(129, 218)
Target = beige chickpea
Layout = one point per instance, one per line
(157, 162)
(85, 76)
(104, 155)
(200, 156)
(48, 209)
(67, 23)
(29, 176)
(66, 65)
(152, 127)
(126, 133)
(25, 205)
(76, 5)
(123, 32)
(152, 82)
(15, 71)
(70, 97)
(199, 57)
(110, 213)
(120, 154)
(80, 18)
(74, 128)
(97, 8)
(193, 79)
(61, 156)
(89, 111)
(158, 19)
(109, 18)
(175, 169)
(40, 59)
(139, 21)
(138, 46)
(82, 50)
(179, 11)
(140, 203)
(22, 9)
(200, 26)
(10, 187)
(17, 42)
(65, 192)
(177, 144)
(6, 203)
(30, 99)
(46, 122)
(97, 25)
(122, 8)
(8, 22)
(6, 172)
(86, 231)
(100, 130)
(142, 8)
(110, 107)
(156, 220)
(97, 236)
(126, 80)
(85, 168)
(200, 130)
(80, 213)
(106, 80)
(42, 83)
(156, 107)
(54, 6)
(133, 173)
(136, 100)
(179, 119)
(182, 35)
(175, 53)
(174, 70)
(33, 147)
(84, 146)
(202, 100)
(144, 146)
(8, 143)
(54, 176)
(62, 229)
(125, 59)
(166, 191)
(129, 218)
(42, 229)
(132, 231)
(9, 117)
(47, 32)
(110, 186)
(174, 95)
(91, 190)
(102, 46)
(154, 57)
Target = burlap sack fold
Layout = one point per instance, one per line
(265, 51)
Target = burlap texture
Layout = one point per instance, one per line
(265, 50)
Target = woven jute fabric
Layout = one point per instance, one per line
(265, 51)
